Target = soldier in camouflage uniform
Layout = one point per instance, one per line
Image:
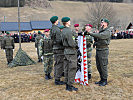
(46, 50)
(37, 39)
(102, 50)
(89, 42)
(58, 50)
(8, 46)
(70, 52)
(1, 37)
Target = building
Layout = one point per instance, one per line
(130, 26)
(26, 27)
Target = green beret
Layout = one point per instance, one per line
(105, 20)
(53, 19)
(65, 19)
(61, 27)
(7, 33)
(39, 32)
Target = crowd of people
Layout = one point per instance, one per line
(30, 37)
(122, 35)
(59, 46)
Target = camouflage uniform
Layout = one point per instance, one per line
(58, 51)
(89, 42)
(1, 37)
(102, 51)
(45, 50)
(8, 45)
(37, 39)
(70, 52)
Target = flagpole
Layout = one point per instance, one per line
(19, 24)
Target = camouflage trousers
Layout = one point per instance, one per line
(9, 55)
(39, 57)
(59, 64)
(102, 62)
(48, 63)
(89, 54)
(70, 68)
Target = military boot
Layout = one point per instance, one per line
(39, 60)
(75, 89)
(46, 77)
(68, 87)
(58, 82)
(99, 82)
(103, 83)
(89, 76)
(49, 76)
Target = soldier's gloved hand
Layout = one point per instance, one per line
(4, 51)
(13, 50)
(36, 49)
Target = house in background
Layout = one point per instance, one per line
(26, 27)
(130, 27)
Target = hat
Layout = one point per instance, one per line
(7, 33)
(39, 32)
(46, 30)
(105, 20)
(89, 25)
(61, 27)
(54, 19)
(65, 19)
(76, 25)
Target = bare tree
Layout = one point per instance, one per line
(99, 10)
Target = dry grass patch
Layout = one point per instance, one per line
(28, 83)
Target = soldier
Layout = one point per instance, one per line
(1, 37)
(58, 50)
(102, 50)
(61, 28)
(37, 39)
(89, 42)
(76, 26)
(8, 46)
(70, 52)
(46, 50)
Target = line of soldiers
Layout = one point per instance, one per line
(61, 45)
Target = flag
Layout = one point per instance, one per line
(82, 76)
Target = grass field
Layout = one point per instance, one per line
(28, 83)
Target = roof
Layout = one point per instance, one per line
(41, 24)
(129, 26)
(13, 26)
(25, 26)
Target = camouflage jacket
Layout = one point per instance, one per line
(37, 39)
(103, 38)
(45, 47)
(8, 43)
(89, 42)
(56, 36)
(68, 39)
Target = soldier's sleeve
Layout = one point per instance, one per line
(41, 47)
(58, 36)
(4, 43)
(71, 40)
(36, 42)
(13, 43)
(102, 35)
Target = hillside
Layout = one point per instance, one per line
(76, 10)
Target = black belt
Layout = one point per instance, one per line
(104, 46)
